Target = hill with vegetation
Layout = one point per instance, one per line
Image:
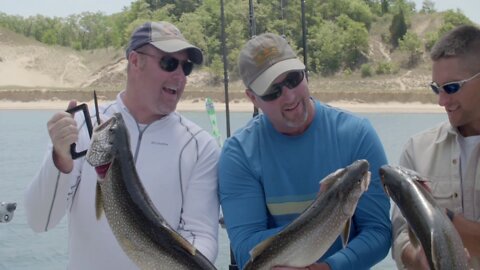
(361, 50)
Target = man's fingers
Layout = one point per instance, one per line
(67, 133)
(62, 129)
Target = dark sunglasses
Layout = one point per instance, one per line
(292, 80)
(170, 64)
(451, 87)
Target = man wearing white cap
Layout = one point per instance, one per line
(176, 160)
(269, 171)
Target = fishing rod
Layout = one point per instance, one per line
(233, 263)
(225, 67)
(304, 38)
(253, 32)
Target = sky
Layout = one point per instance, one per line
(64, 8)
(61, 8)
(471, 8)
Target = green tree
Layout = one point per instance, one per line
(355, 9)
(49, 37)
(411, 44)
(452, 19)
(354, 38)
(326, 49)
(398, 28)
(180, 6)
(428, 7)
(385, 6)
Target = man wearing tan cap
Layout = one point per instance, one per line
(269, 171)
(176, 160)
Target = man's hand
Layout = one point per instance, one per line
(414, 258)
(63, 131)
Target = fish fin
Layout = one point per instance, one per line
(329, 180)
(346, 232)
(413, 238)
(98, 202)
(184, 243)
(260, 247)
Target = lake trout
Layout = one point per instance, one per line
(139, 228)
(309, 236)
(427, 221)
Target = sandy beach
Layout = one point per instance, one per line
(242, 106)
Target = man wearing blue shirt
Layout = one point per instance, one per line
(269, 171)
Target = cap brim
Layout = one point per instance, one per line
(260, 85)
(170, 46)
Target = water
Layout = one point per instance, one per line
(24, 138)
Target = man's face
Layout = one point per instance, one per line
(463, 106)
(292, 111)
(156, 90)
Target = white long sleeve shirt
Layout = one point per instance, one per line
(177, 163)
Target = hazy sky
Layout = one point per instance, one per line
(471, 8)
(64, 8)
(61, 8)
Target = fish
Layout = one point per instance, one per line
(428, 223)
(6, 211)
(139, 228)
(308, 237)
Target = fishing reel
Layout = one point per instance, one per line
(6, 211)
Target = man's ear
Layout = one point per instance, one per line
(134, 60)
(251, 95)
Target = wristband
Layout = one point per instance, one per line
(450, 214)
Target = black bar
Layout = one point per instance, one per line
(84, 108)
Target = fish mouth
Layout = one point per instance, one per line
(102, 170)
(366, 181)
(387, 190)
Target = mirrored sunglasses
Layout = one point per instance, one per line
(169, 63)
(451, 87)
(292, 80)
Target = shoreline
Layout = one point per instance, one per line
(243, 106)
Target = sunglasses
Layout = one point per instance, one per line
(292, 80)
(451, 87)
(170, 64)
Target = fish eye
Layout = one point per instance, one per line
(6, 217)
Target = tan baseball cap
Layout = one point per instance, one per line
(164, 36)
(263, 59)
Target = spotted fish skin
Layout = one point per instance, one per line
(139, 228)
(310, 235)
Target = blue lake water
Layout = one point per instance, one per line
(23, 140)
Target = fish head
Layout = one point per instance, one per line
(357, 180)
(6, 211)
(346, 185)
(392, 178)
(397, 178)
(104, 144)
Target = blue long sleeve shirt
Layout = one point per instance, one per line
(266, 179)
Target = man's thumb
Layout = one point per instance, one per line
(72, 104)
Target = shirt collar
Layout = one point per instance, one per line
(446, 131)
